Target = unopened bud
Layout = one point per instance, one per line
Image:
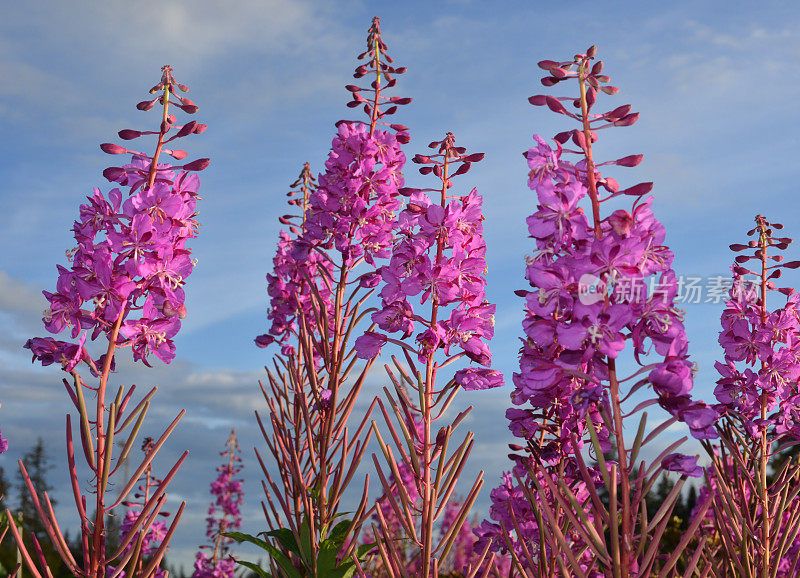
(113, 149)
(621, 221)
(197, 165)
(129, 134)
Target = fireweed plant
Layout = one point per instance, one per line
(224, 515)
(755, 518)
(440, 257)
(324, 272)
(599, 283)
(124, 282)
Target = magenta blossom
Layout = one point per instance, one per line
(441, 257)
(129, 258)
(684, 465)
(472, 378)
(369, 345)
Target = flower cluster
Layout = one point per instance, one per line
(353, 209)
(573, 328)
(152, 540)
(125, 281)
(130, 255)
(766, 342)
(750, 511)
(224, 515)
(288, 284)
(441, 256)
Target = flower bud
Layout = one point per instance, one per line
(129, 134)
(112, 149)
(116, 174)
(197, 165)
(177, 154)
(621, 221)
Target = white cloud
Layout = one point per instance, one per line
(196, 30)
(19, 298)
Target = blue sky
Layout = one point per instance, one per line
(715, 83)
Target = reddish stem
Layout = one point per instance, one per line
(763, 242)
(373, 121)
(162, 131)
(97, 566)
(426, 397)
(624, 480)
(587, 149)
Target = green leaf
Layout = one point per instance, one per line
(326, 561)
(255, 568)
(323, 533)
(286, 538)
(305, 542)
(340, 530)
(242, 537)
(345, 570)
(280, 558)
(365, 549)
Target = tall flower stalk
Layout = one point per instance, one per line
(599, 284)
(440, 256)
(324, 273)
(224, 515)
(755, 517)
(125, 283)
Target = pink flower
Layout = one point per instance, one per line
(369, 345)
(672, 378)
(685, 465)
(472, 378)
